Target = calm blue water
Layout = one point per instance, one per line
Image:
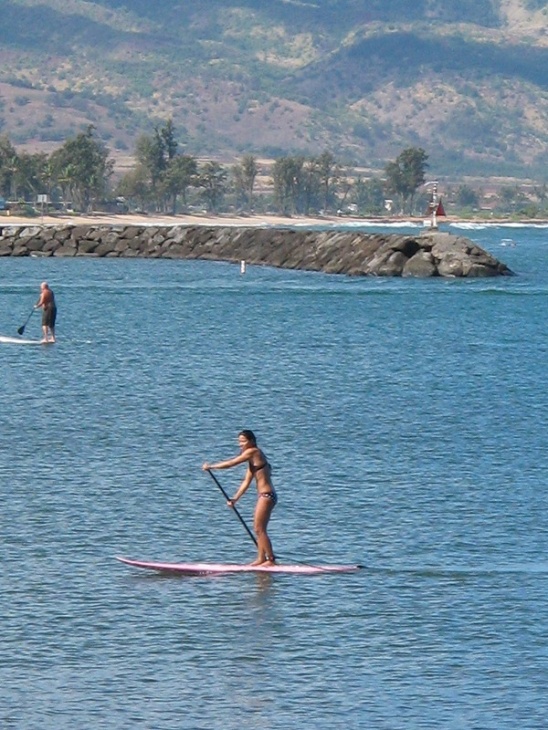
(406, 421)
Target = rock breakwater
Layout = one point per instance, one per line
(334, 251)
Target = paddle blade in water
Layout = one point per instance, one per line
(22, 328)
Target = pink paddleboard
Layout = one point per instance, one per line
(219, 568)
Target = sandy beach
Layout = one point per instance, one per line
(127, 219)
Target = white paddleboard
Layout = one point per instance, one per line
(22, 341)
(220, 568)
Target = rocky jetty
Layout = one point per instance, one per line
(333, 251)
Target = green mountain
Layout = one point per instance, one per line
(466, 81)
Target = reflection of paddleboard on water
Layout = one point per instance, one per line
(220, 568)
(22, 341)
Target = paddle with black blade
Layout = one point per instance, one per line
(21, 329)
(251, 535)
(238, 515)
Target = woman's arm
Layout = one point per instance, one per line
(242, 489)
(240, 459)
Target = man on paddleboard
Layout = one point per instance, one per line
(259, 469)
(46, 302)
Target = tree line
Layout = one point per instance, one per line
(165, 180)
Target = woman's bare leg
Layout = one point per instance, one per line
(263, 510)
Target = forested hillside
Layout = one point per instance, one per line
(466, 81)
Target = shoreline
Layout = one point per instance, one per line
(257, 221)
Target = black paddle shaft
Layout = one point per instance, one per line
(238, 515)
(21, 329)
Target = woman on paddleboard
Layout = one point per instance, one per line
(259, 469)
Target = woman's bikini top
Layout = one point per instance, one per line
(254, 469)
